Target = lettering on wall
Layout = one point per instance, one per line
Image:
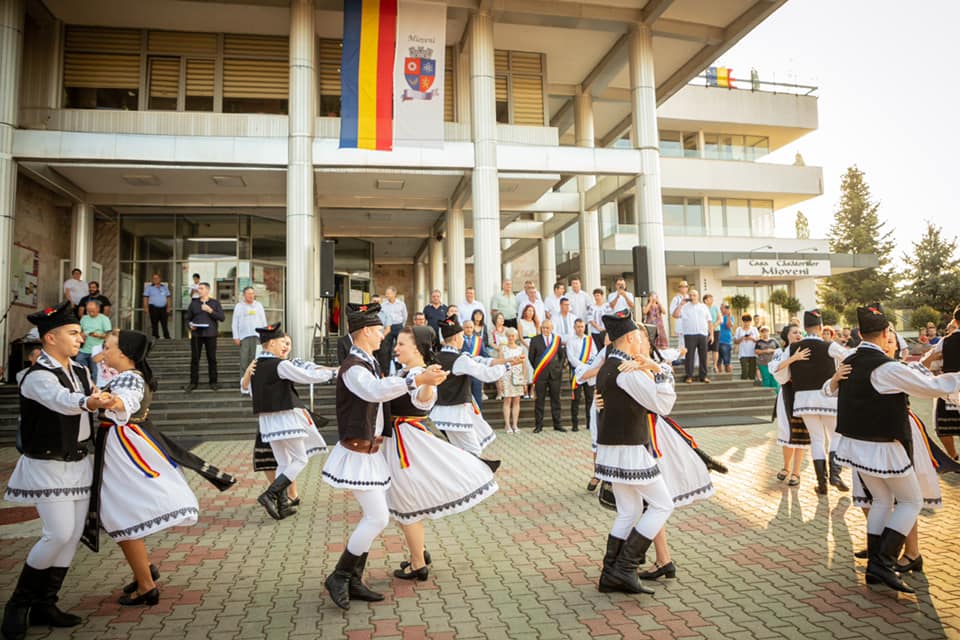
(778, 268)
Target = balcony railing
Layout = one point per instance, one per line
(754, 83)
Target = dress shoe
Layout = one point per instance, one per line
(911, 564)
(154, 573)
(537, 429)
(560, 429)
(189, 387)
(575, 429)
(150, 598)
(592, 485)
(669, 570)
(215, 386)
(409, 573)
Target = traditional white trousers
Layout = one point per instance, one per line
(62, 524)
(291, 455)
(376, 517)
(896, 502)
(822, 429)
(630, 508)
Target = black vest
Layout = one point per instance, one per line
(456, 388)
(809, 375)
(270, 392)
(865, 414)
(623, 420)
(403, 407)
(44, 433)
(356, 418)
(951, 353)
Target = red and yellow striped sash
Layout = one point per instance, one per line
(547, 358)
(652, 426)
(475, 351)
(134, 455)
(585, 347)
(402, 453)
(918, 425)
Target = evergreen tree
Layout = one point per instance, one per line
(857, 229)
(932, 272)
(802, 226)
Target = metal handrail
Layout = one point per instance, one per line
(748, 84)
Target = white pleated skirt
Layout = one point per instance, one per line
(881, 459)
(686, 475)
(625, 464)
(295, 423)
(38, 481)
(346, 469)
(142, 492)
(815, 403)
(461, 418)
(783, 425)
(431, 478)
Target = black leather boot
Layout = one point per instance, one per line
(285, 506)
(712, 463)
(622, 575)
(45, 610)
(820, 467)
(883, 560)
(835, 478)
(29, 587)
(358, 590)
(270, 499)
(873, 543)
(338, 582)
(613, 550)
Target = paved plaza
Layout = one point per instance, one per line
(756, 561)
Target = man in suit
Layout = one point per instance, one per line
(343, 347)
(547, 362)
(203, 316)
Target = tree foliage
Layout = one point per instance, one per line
(830, 316)
(857, 229)
(932, 273)
(922, 315)
(778, 297)
(740, 303)
(792, 305)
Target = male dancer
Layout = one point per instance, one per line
(875, 439)
(55, 471)
(644, 502)
(454, 413)
(581, 349)
(818, 411)
(356, 463)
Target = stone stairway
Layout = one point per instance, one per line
(225, 414)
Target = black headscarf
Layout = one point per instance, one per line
(425, 338)
(136, 346)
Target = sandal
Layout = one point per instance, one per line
(794, 480)
(782, 474)
(592, 485)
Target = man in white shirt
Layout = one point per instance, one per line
(579, 299)
(682, 290)
(581, 349)
(596, 311)
(75, 288)
(697, 334)
(532, 298)
(552, 303)
(527, 287)
(620, 298)
(394, 313)
(468, 306)
(563, 321)
(746, 337)
(247, 316)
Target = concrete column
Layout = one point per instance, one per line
(11, 46)
(701, 144)
(547, 251)
(648, 201)
(486, 187)
(420, 293)
(436, 267)
(300, 199)
(81, 238)
(456, 256)
(589, 219)
(507, 271)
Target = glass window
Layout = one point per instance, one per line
(200, 81)
(626, 213)
(761, 217)
(690, 146)
(671, 144)
(673, 216)
(693, 217)
(711, 146)
(716, 226)
(738, 217)
(164, 83)
(755, 147)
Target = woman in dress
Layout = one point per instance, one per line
(529, 328)
(141, 488)
(514, 382)
(498, 338)
(792, 435)
(430, 478)
(653, 313)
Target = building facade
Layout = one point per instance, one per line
(179, 137)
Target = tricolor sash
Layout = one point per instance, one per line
(134, 454)
(402, 453)
(547, 357)
(475, 351)
(586, 346)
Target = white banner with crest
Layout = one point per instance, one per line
(418, 74)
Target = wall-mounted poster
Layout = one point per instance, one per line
(25, 276)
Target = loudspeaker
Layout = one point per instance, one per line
(641, 275)
(327, 287)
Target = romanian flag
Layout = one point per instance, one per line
(335, 312)
(475, 351)
(369, 49)
(720, 77)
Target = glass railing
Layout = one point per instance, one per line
(754, 83)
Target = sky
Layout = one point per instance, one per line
(889, 102)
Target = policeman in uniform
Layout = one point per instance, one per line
(55, 472)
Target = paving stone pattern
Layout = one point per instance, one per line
(756, 561)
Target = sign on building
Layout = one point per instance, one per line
(780, 268)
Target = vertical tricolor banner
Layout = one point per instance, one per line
(367, 74)
(418, 80)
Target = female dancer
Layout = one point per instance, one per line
(792, 434)
(514, 382)
(529, 328)
(430, 478)
(141, 490)
(285, 423)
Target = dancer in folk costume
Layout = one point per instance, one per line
(792, 434)
(138, 482)
(929, 461)
(356, 463)
(947, 412)
(429, 477)
(876, 440)
(55, 471)
(819, 412)
(644, 502)
(285, 423)
(454, 412)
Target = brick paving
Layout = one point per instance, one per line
(756, 561)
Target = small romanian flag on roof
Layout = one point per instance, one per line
(369, 49)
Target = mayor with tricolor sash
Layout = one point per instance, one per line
(547, 363)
